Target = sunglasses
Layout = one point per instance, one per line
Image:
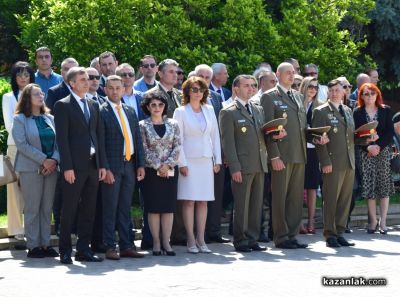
(152, 65)
(253, 85)
(369, 94)
(295, 85)
(180, 72)
(23, 74)
(197, 90)
(313, 87)
(129, 74)
(155, 105)
(38, 94)
(94, 77)
(347, 87)
(311, 73)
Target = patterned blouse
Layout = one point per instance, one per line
(160, 150)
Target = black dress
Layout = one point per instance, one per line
(159, 193)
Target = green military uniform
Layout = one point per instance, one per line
(287, 185)
(338, 152)
(245, 151)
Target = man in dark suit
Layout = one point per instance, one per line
(287, 157)
(96, 245)
(167, 72)
(61, 90)
(337, 163)
(244, 147)
(79, 133)
(124, 156)
(108, 63)
(219, 78)
(55, 94)
(213, 227)
(131, 97)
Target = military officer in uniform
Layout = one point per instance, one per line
(337, 163)
(287, 157)
(246, 155)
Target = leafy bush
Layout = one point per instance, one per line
(240, 33)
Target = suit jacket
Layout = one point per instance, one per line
(74, 135)
(216, 102)
(196, 143)
(385, 128)
(160, 150)
(277, 104)
(114, 137)
(227, 93)
(138, 97)
(140, 85)
(339, 151)
(173, 102)
(56, 93)
(242, 140)
(26, 134)
(9, 104)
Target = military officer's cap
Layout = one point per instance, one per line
(367, 129)
(319, 131)
(274, 126)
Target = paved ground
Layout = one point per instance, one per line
(223, 273)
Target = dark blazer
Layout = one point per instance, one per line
(73, 134)
(55, 94)
(385, 128)
(216, 102)
(227, 93)
(173, 102)
(114, 138)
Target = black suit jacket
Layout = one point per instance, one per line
(216, 102)
(114, 138)
(173, 102)
(55, 94)
(385, 129)
(74, 135)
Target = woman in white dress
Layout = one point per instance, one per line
(21, 75)
(199, 158)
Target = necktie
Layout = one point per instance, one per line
(219, 91)
(341, 111)
(85, 110)
(171, 95)
(291, 96)
(94, 98)
(128, 151)
(248, 108)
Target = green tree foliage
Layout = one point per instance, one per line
(384, 39)
(240, 33)
(10, 49)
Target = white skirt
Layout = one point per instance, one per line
(198, 185)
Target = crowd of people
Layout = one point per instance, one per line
(83, 141)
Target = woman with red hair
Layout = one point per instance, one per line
(375, 156)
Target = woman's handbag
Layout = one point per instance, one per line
(7, 172)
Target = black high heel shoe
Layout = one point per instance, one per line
(168, 253)
(156, 253)
(372, 231)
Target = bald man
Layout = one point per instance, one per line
(287, 157)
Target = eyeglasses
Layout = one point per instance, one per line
(152, 65)
(23, 74)
(129, 74)
(38, 94)
(180, 72)
(313, 87)
(94, 77)
(347, 86)
(197, 90)
(155, 105)
(295, 85)
(369, 94)
(273, 81)
(310, 73)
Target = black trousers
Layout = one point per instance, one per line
(79, 199)
(213, 225)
